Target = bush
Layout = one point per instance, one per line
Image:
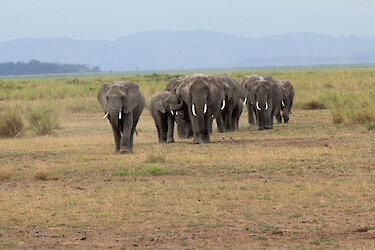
(314, 104)
(11, 124)
(43, 120)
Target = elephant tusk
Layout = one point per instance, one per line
(106, 115)
(282, 102)
(193, 110)
(119, 115)
(223, 106)
(245, 101)
(266, 105)
(205, 109)
(172, 112)
(258, 106)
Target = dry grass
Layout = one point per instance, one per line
(306, 184)
(5, 174)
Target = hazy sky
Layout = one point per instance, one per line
(110, 19)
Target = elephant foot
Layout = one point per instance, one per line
(268, 127)
(170, 140)
(162, 141)
(125, 151)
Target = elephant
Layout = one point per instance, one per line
(184, 127)
(265, 97)
(247, 85)
(233, 106)
(163, 107)
(203, 97)
(122, 103)
(173, 83)
(287, 100)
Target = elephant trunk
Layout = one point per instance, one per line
(177, 106)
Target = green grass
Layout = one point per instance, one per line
(147, 171)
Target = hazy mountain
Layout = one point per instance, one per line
(193, 49)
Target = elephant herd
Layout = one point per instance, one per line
(194, 102)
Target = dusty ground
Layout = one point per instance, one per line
(302, 185)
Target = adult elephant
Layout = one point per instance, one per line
(233, 106)
(203, 97)
(247, 85)
(122, 103)
(266, 96)
(287, 100)
(163, 107)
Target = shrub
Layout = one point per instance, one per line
(43, 120)
(41, 175)
(11, 124)
(313, 104)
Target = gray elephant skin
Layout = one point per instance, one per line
(122, 103)
(163, 107)
(287, 101)
(203, 98)
(232, 111)
(184, 127)
(264, 97)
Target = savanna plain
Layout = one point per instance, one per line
(306, 184)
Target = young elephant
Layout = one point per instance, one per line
(122, 103)
(287, 101)
(163, 107)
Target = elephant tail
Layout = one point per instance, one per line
(136, 132)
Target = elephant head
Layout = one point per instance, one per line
(116, 100)
(168, 102)
(173, 84)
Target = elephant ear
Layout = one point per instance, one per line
(159, 106)
(132, 96)
(182, 90)
(102, 95)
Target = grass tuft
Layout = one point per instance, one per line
(154, 171)
(156, 159)
(5, 174)
(11, 124)
(313, 104)
(41, 175)
(147, 171)
(43, 120)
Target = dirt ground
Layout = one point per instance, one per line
(307, 184)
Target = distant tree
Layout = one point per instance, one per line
(36, 67)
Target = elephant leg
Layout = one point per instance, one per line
(250, 110)
(206, 131)
(117, 136)
(278, 117)
(125, 145)
(157, 127)
(170, 124)
(163, 128)
(269, 119)
(219, 122)
(228, 118)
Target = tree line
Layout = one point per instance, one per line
(36, 67)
